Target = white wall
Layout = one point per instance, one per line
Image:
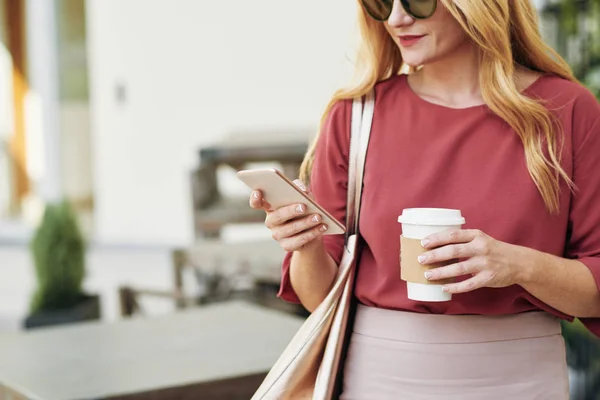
(42, 109)
(194, 69)
(74, 117)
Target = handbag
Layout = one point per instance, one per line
(310, 366)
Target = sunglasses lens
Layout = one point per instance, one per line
(379, 10)
(420, 9)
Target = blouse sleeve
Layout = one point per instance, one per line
(583, 241)
(328, 184)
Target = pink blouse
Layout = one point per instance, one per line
(426, 155)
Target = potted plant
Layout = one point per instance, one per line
(58, 250)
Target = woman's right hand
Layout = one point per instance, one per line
(290, 225)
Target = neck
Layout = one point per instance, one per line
(453, 80)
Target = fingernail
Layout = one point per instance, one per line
(299, 183)
(315, 218)
(300, 209)
(255, 194)
(424, 242)
(323, 228)
(445, 289)
(422, 258)
(428, 275)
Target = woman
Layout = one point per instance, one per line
(492, 122)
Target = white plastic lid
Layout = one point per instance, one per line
(431, 216)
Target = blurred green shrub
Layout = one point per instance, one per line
(58, 250)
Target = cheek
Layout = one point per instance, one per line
(448, 32)
(449, 40)
(393, 36)
(389, 30)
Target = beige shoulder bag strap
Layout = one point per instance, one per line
(362, 120)
(329, 373)
(309, 366)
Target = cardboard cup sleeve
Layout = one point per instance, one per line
(411, 270)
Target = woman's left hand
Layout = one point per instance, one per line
(489, 262)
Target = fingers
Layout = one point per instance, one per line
(298, 242)
(476, 282)
(290, 225)
(299, 183)
(258, 202)
(467, 267)
(284, 214)
(450, 236)
(447, 253)
(295, 227)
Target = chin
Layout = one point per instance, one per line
(412, 62)
(413, 58)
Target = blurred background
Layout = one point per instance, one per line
(122, 123)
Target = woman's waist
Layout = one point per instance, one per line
(442, 328)
(391, 293)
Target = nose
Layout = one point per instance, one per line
(399, 17)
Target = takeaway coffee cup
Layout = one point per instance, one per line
(417, 224)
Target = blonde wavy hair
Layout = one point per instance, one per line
(507, 34)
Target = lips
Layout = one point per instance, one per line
(409, 40)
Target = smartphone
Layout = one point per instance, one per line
(279, 191)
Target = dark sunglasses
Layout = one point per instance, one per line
(380, 10)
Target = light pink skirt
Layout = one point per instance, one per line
(402, 355)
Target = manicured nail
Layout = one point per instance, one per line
(255, 194)
(315, 218)
(299, 183)
(300, 209)
(422, 258)
(323, 228)
(424, 242)
(428, 275)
